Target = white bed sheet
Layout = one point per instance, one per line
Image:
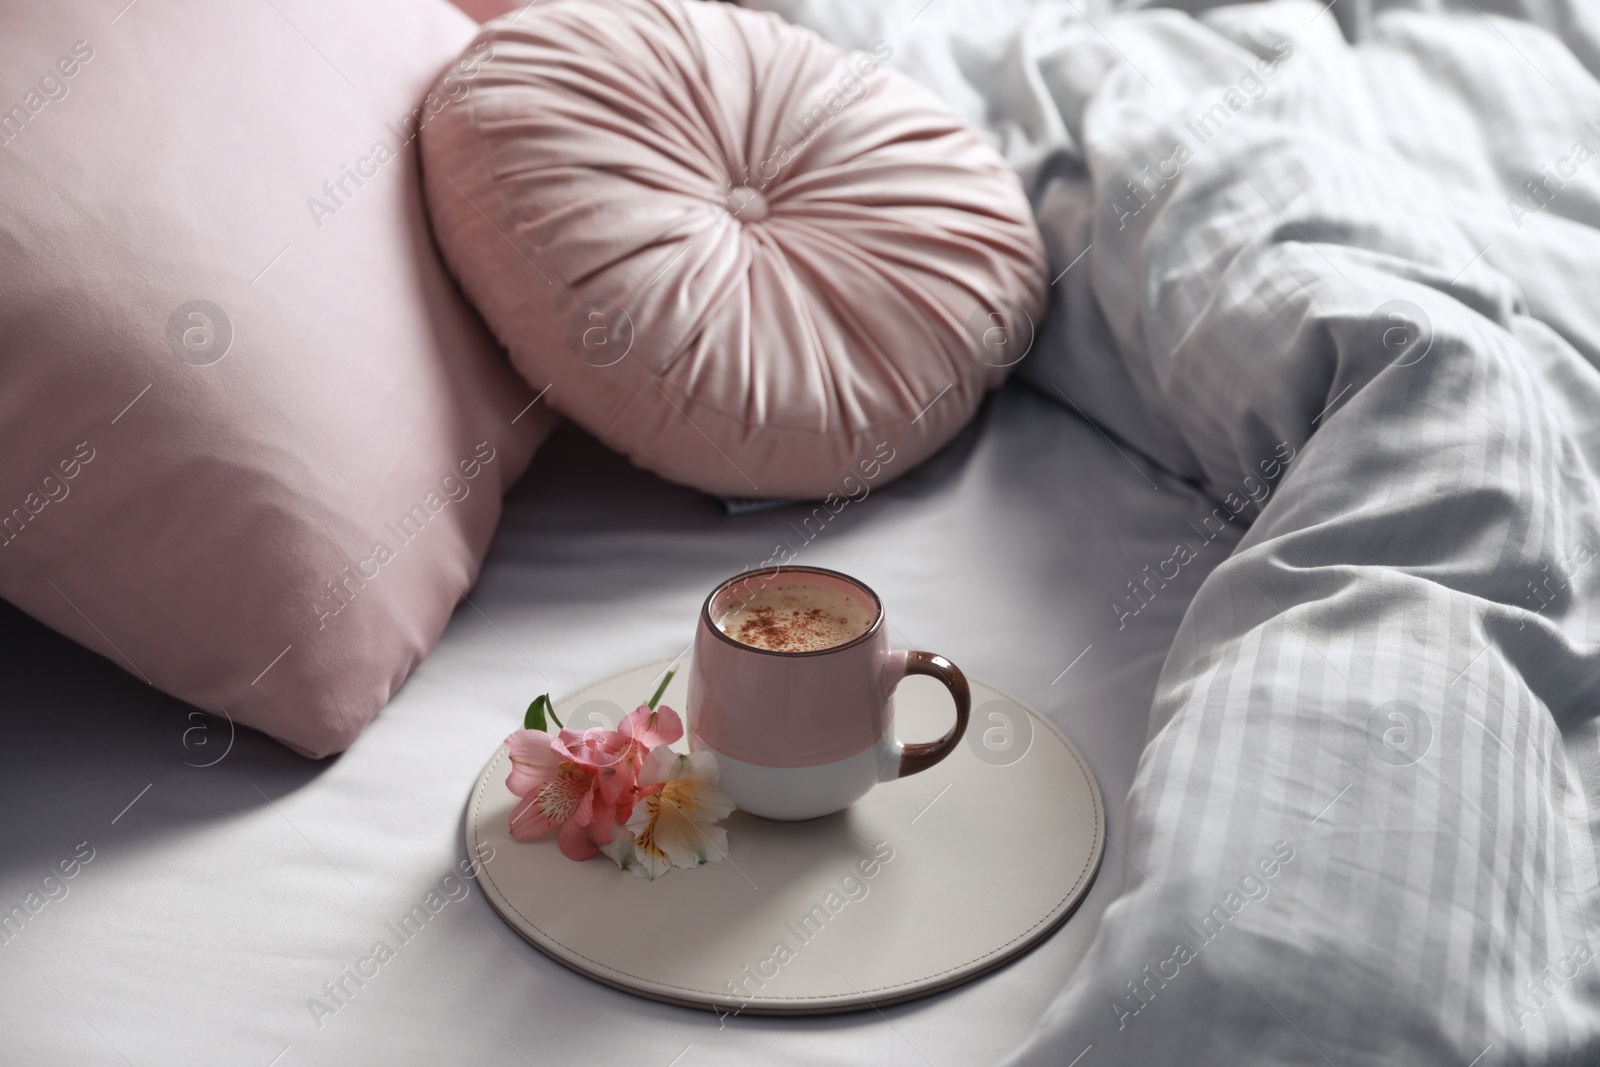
(219, 903)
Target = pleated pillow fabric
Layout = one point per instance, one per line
(748, 260)
(252, 440)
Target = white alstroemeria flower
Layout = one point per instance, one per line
(673, 823)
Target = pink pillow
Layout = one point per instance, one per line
(252, 441)
(742, 257)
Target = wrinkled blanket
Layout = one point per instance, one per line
(1340, 266)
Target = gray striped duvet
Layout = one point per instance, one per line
(1341, 267)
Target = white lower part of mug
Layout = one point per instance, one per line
(789, 794)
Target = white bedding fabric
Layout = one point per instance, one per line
(220, 903)
(1432, 541)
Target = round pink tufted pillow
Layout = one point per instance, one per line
(746, 259)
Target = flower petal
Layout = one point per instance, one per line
(583, 812)
(620, 849)
(575, 842)
(652, 865)
(652, 861)
(618, 780)
(625, 805)
(604, 821)
(692, 779)
(685, 842)
(703, 765)
(659, 766)
(699, 800)
(569, 746)
(553, 802)
(651, 728)
(533, 761)
(529, 820)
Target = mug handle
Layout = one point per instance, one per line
(921, 755)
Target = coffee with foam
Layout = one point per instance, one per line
(796, 618)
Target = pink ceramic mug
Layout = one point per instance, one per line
(803, 734)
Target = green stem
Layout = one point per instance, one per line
(661, 689)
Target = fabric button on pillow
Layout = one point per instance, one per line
(739, 255)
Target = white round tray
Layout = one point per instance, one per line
(926, 883)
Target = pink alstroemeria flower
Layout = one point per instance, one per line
(604, 755)
(583, 784)
(651, 728)
(557, 791)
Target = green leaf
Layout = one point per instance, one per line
(535, 717)
(660, 689)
